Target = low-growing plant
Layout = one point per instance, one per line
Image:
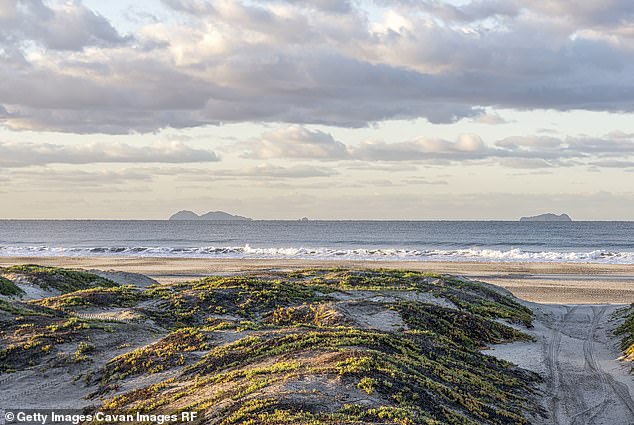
(63, 280)
(626, 331)
(9, 289)
(154, 358)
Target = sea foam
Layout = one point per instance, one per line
(372, 254)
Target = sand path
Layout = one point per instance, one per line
(577, 355)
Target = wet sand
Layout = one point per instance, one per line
(555, 283)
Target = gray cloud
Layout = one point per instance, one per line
(61, 26)
(27, 154)
(613, 163)
(336, 6)
(592, 13)
(321, 62)
(476, 10)
(194, 7)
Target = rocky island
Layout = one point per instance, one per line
(547, 217)
(210, 216)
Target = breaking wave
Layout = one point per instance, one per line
(470, 254)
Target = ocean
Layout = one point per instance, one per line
(488, 241)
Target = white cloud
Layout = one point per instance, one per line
(14, 154)
(296, 142)
(468, 146)
(269, 171)
(537, 151)
(614, 144)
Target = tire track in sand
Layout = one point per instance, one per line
(619, 389)
(608, 384)
(592, 364)
(552, 363)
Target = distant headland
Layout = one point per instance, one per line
(210, 216)
(547, 217)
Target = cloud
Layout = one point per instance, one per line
(515, 152)
(66, 68)
(477, 10)
(613, 163)
(335, 6)
(592, 13)
(416, 180)
(296, 142)
(14, 154)
(66, 180)
(552, 147)
(491, 118)
(194, 7)
(61, 26)
(467, 147)
(269, 171)
(536, 151)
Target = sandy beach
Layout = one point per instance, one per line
(556, 283)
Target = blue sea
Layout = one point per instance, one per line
(487, 241)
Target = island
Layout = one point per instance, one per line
(547, 217)
(210, 216)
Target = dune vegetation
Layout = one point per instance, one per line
(314, 346)
(8, 288)
(56, 278)
(626, 331)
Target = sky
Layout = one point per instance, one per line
(329, 109)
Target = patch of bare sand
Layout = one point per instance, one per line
(125, 278)
(61, 382)
(578, 356)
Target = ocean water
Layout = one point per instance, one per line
(489, 241)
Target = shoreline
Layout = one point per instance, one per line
(553, 283)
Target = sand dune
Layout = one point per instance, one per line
(574, 351)
(538, 282)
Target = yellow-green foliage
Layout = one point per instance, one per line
(83, 348)
(433, 373)
(286, 348)
(190, 304)
(626, 331)
(30, 341)
(306, 314)
(156, 357)
(120, 296)
(367, 384)
(63, 280)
